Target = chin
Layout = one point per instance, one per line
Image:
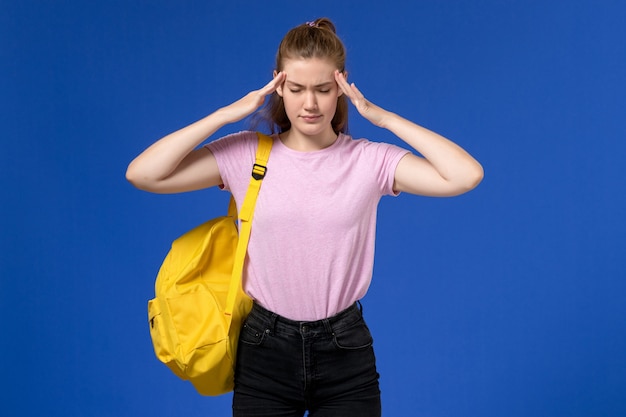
(311, 129)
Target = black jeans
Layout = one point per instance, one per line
(286, 367)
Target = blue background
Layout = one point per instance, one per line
(507, 301)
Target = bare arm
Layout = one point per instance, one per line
(445, 170)
(173, 164)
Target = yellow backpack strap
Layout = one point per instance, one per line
(259, 170)
(258, 173)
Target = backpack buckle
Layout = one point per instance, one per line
(258, 171)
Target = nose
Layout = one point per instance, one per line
(310, 101)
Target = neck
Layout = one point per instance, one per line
(303, 143)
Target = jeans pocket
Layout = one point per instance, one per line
(251, 335)
(353, 337)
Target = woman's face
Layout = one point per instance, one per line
(310, 95)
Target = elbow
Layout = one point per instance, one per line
(142, 180)
(474, 177)
(477, 175)
(134, 176)
(467, 182)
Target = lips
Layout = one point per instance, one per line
(311, 118)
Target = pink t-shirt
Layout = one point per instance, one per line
(311, 250)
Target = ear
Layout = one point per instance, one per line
(279, 89)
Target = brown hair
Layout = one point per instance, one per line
(317, 39)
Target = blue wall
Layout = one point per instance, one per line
(507, 301)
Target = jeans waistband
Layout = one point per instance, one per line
(275, 322)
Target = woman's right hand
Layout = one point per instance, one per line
(248, 104)
(171, 164)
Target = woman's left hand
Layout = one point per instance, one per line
(376, 115)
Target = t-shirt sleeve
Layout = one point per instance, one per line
(235, 155)
(385, 159)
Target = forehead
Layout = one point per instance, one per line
(309, 71)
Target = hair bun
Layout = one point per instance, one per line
(323, 23)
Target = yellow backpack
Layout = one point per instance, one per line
(196, 315)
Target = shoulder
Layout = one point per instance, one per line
(233, 139)
(369, 147)
(239, 141)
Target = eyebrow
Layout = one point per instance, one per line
(294, 84)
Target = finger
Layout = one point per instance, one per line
(340, 79)
(271, 86)
(349, 90)
(342, 83)
(280, 78)
(356, 91)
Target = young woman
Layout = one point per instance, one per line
(305, 345)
